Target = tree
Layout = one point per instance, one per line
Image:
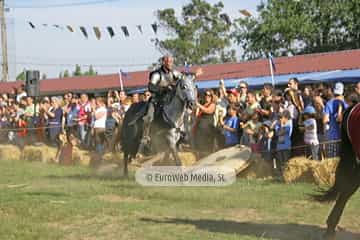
(77, 71)
(66, 74)
(296, 27)
(90, 72)
(44, 76)
(199, 36)
(21, 76)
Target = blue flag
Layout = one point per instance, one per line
(124, 74)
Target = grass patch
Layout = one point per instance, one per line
(42, 201)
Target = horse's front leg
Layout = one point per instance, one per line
(337, 211)
(172, 139)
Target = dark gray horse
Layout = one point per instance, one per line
(347, 177)
(165, 129)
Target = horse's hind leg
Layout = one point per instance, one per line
(126, 161)
(337, 211)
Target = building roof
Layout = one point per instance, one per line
(301, 64)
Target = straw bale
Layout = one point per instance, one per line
(10, 152)
(42, 153)
(257, 168)
(81, 157)
(324, 173)
(187, 159)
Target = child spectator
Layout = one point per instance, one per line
(310, 136)
(266, 140)
(251, 130)
(230, 126)
(283, 131)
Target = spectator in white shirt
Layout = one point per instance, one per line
(100, 115)
(310, 135)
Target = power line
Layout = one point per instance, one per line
(83, 65)
(63, 4)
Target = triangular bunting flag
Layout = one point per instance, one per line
(70, 28)
(139, 27)
(226, 18)
(245, 13)
(83, 30)
(111, 31)
(57, 26)
(97, 32)
(32, 25)
(154, 27)
(125, 31)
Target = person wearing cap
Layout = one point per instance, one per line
(310, 136)
(333, 114)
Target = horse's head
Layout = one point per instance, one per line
(185, 90)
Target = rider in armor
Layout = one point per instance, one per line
(162, 82)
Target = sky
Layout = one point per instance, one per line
(52, 50)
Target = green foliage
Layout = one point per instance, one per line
(296, 27)
(77, 71)
(21, 76)
(199, 36)
(48, 201)
(66, 74)
(90, 72)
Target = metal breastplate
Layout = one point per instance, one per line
(166, 79)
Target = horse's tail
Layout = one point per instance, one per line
(346, 169)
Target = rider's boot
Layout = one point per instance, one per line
(145, 140)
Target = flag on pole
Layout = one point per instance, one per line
(121, 76)
(272, 68)
(272, 62)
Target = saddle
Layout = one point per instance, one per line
(353, 131)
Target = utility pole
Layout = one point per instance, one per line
(5, 64)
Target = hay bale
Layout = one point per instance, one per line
(81, 157)
(324, 172)
(10, 152)
(257, 168)
(43, 154)
(113, 158)
(187, 159)
(299, 169)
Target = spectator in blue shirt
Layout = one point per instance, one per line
(231, 126)
(332, 118)
(283, 131)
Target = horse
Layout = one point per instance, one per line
(165, 129)
(347, 176)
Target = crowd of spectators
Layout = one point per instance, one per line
(277, 123)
